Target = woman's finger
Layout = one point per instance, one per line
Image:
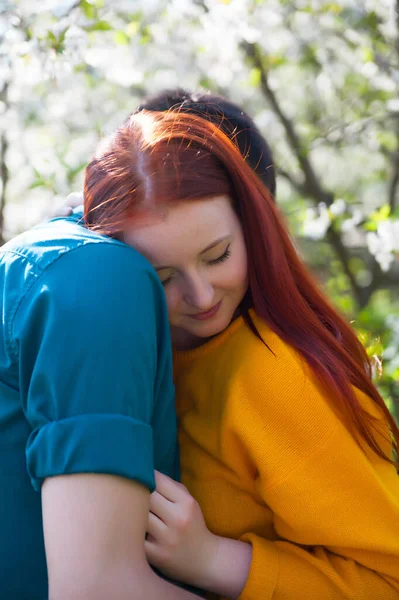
(74, 199)
(152, 552)
(161, 507)
(156, 528)
(60, 211)
(169, 488)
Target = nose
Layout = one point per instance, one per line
(199, 292)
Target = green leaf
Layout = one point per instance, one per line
(332, 7)
(61, 36)
(57, 42)
(380, 215)
(367, 54)
(51, 37)
(309, 57)
(145, 36)
(120, 37)
(254, 77)
(385, 211)
(370, 20)
(206, 83)
(98, 26)
(37, 183)
(271, 61)
(387, 140)
(29, 33)
(80, 68)
(132, 28)
(369, 226)
(88, 9)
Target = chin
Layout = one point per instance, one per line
(210, 329)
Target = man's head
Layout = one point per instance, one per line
(233, 121)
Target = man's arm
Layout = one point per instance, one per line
(88, 334)
(94, 529)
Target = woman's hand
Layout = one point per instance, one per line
(180, 545)
(65, 209)
(178, 542)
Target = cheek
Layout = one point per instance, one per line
(240, 267)
(235, 276)
(172, 296)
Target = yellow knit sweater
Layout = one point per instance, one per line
(271, 463)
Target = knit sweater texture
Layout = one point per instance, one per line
(271, 462)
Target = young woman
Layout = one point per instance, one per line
(285, 442)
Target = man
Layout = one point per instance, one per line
(86, 415)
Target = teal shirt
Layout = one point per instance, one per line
(85, 380)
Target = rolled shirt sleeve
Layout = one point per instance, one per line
(88, 339)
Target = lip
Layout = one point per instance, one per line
(209, 314)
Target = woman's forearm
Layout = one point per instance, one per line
(229, 570)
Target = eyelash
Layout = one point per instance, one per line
(166, 281)
(226, 254)
(221, 258)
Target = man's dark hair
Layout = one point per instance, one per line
(232, 120)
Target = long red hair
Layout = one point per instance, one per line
(156, 159)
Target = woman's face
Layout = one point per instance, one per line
(197, 248)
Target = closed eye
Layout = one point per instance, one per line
(221, 258)
(165, 277)
(166, 281)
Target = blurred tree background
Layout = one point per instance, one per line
(321, 79)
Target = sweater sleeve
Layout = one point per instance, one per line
(335, 505)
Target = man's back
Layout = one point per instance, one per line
(85, 380)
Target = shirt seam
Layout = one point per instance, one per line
(10, 347)
(94, 415)
(318, 448)
(4, 252)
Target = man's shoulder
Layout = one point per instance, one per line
(60, 254)
(46, 243)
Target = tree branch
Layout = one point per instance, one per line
(393, 191)
(360, 294)
(3, 168)
(397, 30)
(297, 185)
(4, 181)
(311, 180)
(311, 185)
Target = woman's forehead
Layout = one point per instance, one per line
(186, 228)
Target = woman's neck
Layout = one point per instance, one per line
(183, 340)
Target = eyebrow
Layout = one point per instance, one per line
(213, 245)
